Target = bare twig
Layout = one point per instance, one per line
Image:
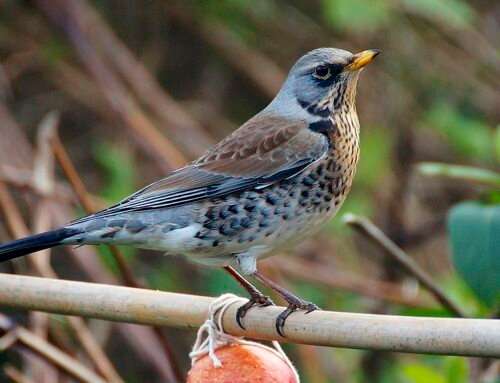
(24, 337)
(16, 155)
(126, 273)
(43, 181)
(386, 291)
(253, 64)
(84, 198)
(448, 336)
(311, 364)
(188, 131)
(491, 374)
(13, 218)
(18, 229)
(44, 372)
(15, 375)
(72, 175)
(48, 130)
(365, 227)
(23, 179)
(120, 101)
(142, 340)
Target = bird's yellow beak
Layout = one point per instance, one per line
(362, 59)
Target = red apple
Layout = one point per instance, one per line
(242, 364)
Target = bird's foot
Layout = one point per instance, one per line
(294, 303)
(256, 299)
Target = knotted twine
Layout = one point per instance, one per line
(211, 335)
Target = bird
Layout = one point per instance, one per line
(269, 184)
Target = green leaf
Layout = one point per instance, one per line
(475, 242)
(375, 160)
(497, 143)
(468, 136)
(359, 203)
(420, 373)
(357, 15)
(120, 182)
(233, 14)
(456, 369)
(467, 173)
(53, 50)
(218, 282)
(492, 197)
(456, 13)
(120, 171)
(165, 277)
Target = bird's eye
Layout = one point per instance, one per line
(322, 72)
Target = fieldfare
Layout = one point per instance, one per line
(270, 183)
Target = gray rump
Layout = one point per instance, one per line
(132, 228)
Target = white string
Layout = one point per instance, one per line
(211, 335)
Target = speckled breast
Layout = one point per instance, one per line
(275, 215)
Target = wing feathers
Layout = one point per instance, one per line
(264, 150)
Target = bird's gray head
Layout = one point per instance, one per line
(321, 82)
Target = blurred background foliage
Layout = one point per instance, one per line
(121, 71)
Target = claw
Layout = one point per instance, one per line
(255, 300)
(240, 314)
(294, 302)
(311, 307)
(281, 319)
(308, 307)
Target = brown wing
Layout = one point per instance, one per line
(263, 151)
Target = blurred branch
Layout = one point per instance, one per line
(17, 155)
(120, 101)
(15, 375)
(470, 39)
(18, 229)
(125, 271)
(187, 130)
(43, 181)
(84, 199)
(256, 66)
(368, 229)
(465, 173)
(142, 341)
(448, 336)
(317, 273)
(44, 157)
(14, 335)
(491, 374)
(23, 179)
(13, 218)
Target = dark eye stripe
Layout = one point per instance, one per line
(336, 69)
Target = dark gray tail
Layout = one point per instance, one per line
(34, 243)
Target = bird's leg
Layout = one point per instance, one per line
(256, 297)
(294, 302)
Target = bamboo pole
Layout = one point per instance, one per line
(448, 336)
